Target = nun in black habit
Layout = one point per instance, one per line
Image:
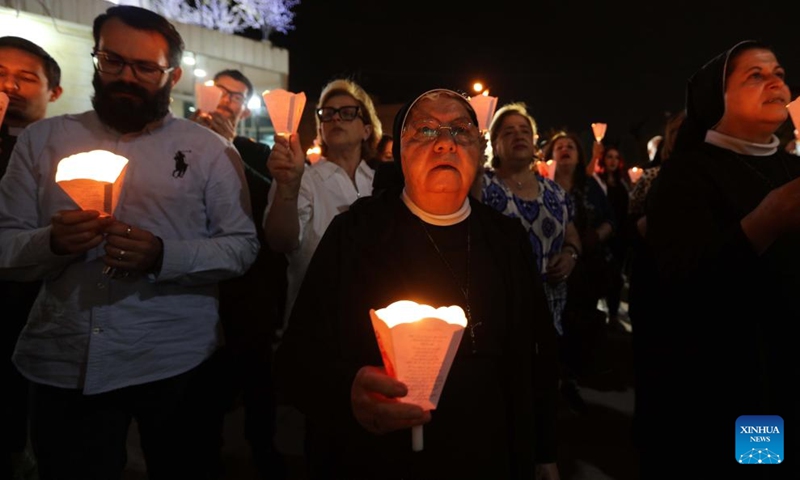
(497, 413)
(723, 223)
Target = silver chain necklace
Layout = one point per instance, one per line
(464, 288)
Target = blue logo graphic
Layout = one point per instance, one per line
(759, 439)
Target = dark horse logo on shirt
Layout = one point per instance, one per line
(180, 164)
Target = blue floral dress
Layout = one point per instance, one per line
(545, 220)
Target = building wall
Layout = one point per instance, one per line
(64, 29)
(69, 43)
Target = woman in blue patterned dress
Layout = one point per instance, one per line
(546, 211)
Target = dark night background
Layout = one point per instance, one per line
(572, 62)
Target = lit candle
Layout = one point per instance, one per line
(794, 112)
(599, 131)
(551, 169)
(313, 153)
(285, 109)
(635, 173)
(92, 179)
(418, 344)
(484, 107)
(207, 95)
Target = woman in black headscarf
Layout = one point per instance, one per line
(723, 223)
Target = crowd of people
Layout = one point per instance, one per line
(232, 272)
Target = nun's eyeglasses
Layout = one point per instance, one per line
(463, 133)
(347, 114)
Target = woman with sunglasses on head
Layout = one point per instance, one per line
(723, 220)
(303, 199)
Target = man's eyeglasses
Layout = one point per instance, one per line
(235, 97)
(463, 133)
(112, 64)
(347, 114)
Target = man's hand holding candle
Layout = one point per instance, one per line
(74, 232)
(132, 249)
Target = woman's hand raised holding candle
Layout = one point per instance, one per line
(286, 164)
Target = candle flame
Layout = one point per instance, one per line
(407, 311)
(313, 153)
(100, 165)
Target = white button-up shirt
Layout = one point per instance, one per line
(93, 332)
(325, 191)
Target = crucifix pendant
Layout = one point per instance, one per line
(472, 327)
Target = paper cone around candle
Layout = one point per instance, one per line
(484, 107)
(599, 131)
(540, 168)
(314, 153)
(794, 112)
(207, 95)
(93, 179)
(285, 109)
(551, 169)
(635, 173)
(418, 344)
(3, 106)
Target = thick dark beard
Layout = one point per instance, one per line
(128, 115)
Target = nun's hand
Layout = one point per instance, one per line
(776, 215)
(374, 400)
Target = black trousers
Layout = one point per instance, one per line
(77, 436)
(17, 297)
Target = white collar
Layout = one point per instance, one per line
(742, 146)
(439, 220)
